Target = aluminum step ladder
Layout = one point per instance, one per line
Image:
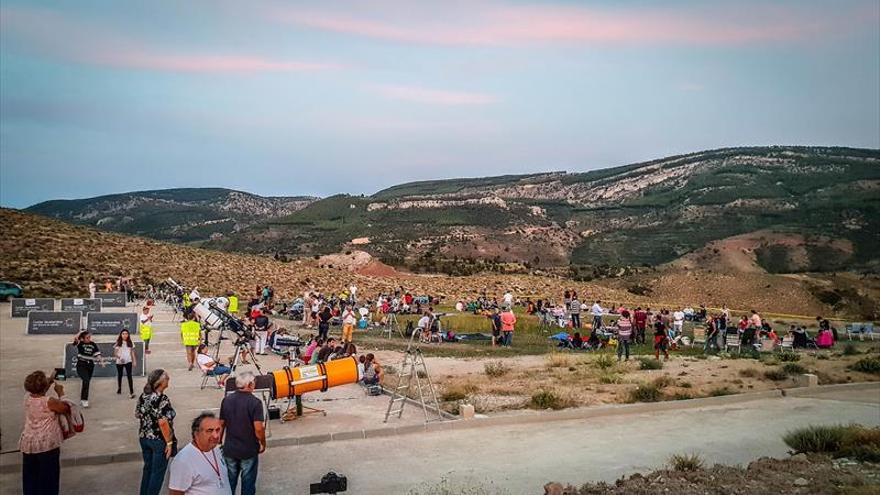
(411, 369)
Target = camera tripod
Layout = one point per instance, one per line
(391, 325)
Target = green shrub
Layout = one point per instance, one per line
(646, 392)
(776, 374)
(609, 377)
(663, 381)
(788, 356)
(685, 462)
(720, 391)
(850, 349)
(457, 392)
(650, 364)
(853, 441)
(685, 385)
(604, 361)
(793, 369)
(867, 365)
(495, 369)
(682, 396)
(748, 373)
(547, 399)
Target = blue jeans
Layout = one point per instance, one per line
(248, 470)
(155, 465)
(220, 370)
(507, 338)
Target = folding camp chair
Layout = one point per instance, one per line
(732, 341)
(787, 343)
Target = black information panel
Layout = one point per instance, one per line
(111, 299)
(86, 306)
(54, 322)
(21, 306)
(107, 358)
(112, 323)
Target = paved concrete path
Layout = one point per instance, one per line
(520, 458)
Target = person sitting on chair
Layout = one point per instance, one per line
(211, 367)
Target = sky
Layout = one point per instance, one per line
(318, 98)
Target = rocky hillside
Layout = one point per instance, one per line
(638, 215)
(52, 258)
(181, 215)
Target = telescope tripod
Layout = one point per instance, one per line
(391, 325)
(243, 348)
(413, 367)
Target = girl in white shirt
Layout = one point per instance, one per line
(125, 360)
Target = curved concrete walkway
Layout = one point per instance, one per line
(519, 455)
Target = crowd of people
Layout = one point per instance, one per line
(202, 466)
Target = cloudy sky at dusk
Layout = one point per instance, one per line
(289, 98)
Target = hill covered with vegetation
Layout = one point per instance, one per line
(181, 215)
(638, 215)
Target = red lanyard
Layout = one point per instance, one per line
(215, 466)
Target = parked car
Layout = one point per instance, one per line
(8, 289)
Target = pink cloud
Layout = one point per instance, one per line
(434, 96)
(53, 35)
(500, 24)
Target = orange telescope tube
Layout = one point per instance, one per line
(290, 382)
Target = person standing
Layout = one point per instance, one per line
(575, 311)
(41, 436)
(661, 340)
(146, 328)
(624, 334)
(92, 289)
(495, 318)
(349, 320)
(155, 431)
(508, 299)
(677, 323)
(508, 321)
(242, 420)
(711, 335)
(190, 334)
(641, 322)
(597, 312)
(125, 361)
(87, 353)
(199, 468)
(324, 318)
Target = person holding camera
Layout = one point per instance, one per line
(241, 419)
(87, 353)
(41, 437)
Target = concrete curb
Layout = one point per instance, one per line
(524, 418)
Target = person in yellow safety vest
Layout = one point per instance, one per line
(186, 302)
(145, 328)
(233, 304)
(190, 333)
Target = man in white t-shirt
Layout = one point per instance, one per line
(597, 311)
(508, 299)
(92, 289)
(677, 322)
(199, 468)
